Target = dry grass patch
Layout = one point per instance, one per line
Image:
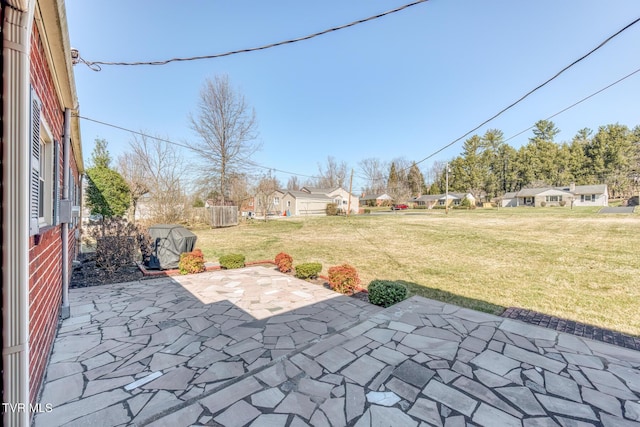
(575, 264)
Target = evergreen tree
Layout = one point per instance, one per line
(107, 191)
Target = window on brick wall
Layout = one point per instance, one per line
(44, 188)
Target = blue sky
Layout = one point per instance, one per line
(404, 85)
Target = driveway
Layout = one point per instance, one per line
(255, 347)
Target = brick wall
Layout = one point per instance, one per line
(45, 257)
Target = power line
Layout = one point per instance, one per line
(526, 95)
(254, 164)
(577, 103)
(620, 80)
(96, 65)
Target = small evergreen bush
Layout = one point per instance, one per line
(543, 204)
(344, 279)
(562, 203)
(386, 292)
(308, 270)
(191, 262)
(284, 262)
(231, 261)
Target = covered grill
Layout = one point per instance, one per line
(168, 242)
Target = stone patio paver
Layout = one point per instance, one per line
(253, 347)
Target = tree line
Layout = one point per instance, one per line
(489, 167)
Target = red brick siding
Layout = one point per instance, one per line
(45, 258)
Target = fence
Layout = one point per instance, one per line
(223, 216)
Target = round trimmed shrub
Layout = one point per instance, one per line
(386, 292)
(231, 261)
(344, 279)
(308, 270)
(191, 262)
(284, 262)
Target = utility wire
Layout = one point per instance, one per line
(526, 95)
(96, 65)
(252, 163)
(577, 103)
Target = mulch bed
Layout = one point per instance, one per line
(572, 327)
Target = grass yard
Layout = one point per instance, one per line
(575, 264)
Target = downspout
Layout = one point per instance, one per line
(17, 21)
(65, 311)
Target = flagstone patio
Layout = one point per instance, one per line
(256, 347)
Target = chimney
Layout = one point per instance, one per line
(572, 187)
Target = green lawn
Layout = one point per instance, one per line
(575, 264)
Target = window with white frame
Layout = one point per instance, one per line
(554, 198)
(44, 171)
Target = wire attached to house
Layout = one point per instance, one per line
(96, 65)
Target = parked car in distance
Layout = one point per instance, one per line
(400, 207)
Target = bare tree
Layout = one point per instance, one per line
(161, 166)
(133, 171)
(227, 129)
(334, 175)
(265, 194)
(374, 171)
(293, 183)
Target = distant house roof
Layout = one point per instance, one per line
(309, 196)
(590, 189)
(316, 190)
(510, 195)
(383, 196)
(579, 189)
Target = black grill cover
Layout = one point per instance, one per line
(168, 242)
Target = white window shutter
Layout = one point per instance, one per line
(34, 195)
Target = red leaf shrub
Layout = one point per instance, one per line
(344, 279)
(191, 262)
(284, 262)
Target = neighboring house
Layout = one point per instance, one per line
(572, 195)
(338, 195)
(375, 200)
(454, 199)
(254, 204)
(302, 203)
(41, 191)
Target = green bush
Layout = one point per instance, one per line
(308, 270)
(367, 211)
(386, 292)
(562, 203)
(231, 261)
(543, 204)
(191, 262)
(344, 279)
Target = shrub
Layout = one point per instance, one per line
(284, 262)
(367, 211)
(344, 279)
(562, 203)
(543, 204)
(386, 292)
(231, 261)
(308, 270)
(332, 209)
(191, 262)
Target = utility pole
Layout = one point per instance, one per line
(446, 200)
(350, 188)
